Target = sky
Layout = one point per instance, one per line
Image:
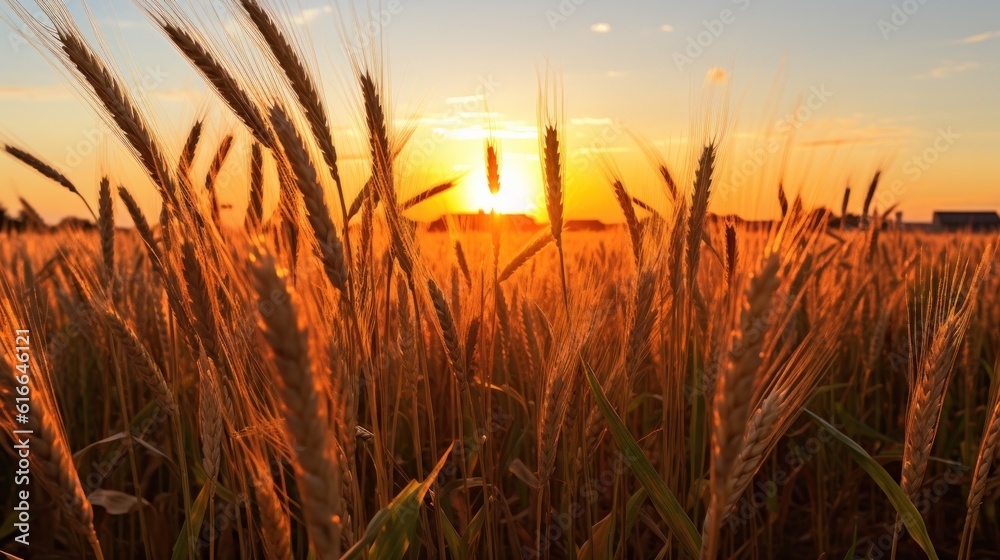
(813, 95)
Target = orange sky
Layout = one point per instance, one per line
(816, 97)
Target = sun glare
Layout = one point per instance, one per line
(516, 195)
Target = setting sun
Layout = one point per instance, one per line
(517, 194)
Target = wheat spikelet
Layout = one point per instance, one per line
(106, 229)
(675, 249)
(213, 173)
(301, 81)
(871, 193)
(449, 331)
(209, 416)
(843, 207)
(52, 458)
(631, 220)
(668, 180)
(47, 171)
(529, 250)
(732, 253)
(931, 383)
(31, 217)
(120, 108)
(201, 302)
(756, 443)
(305, 412)
(318, 213)
(406, 337)
(228, 88)
(782, 200)
(463, 263)
(553, 181)
(190, 149)
(427, 194)
(984, 461)
(274, 524)
(141, 361)
(733, 394)
(641, 327)
(255, 208)
(699, 209)
(492, 165)
(141, 225)
(378, 139)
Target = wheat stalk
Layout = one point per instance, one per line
(733, 394)
(305, 412)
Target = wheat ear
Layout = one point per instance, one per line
(106, 228)
(699, 209)
(305, 412)
(141, 361)
(733, 393)
(318, 213)
(190, 149)
(255, 208)
(47, 171)
(980, 474)
(526, 253)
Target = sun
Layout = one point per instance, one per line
(516, 196)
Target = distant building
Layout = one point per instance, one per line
(966, 221)
(584, 225)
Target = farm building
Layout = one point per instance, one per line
(961, 221)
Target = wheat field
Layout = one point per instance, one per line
(330, 379)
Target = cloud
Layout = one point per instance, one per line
(466, 100)
(35, 93)
(949, 69)
(715, 75)
(454, 129)
(307, 15)
(666, 28)
(980, 37)
(591, 121)
(601, 27)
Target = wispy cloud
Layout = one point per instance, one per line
(666, 28)
(980, 37)
(307, 15)
(949, 69)
(601, 27)
(37, 93)
(464, 100)
(511, 130)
